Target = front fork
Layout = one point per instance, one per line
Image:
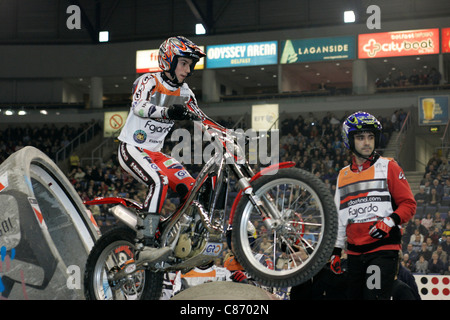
(264, 205)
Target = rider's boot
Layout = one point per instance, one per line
(147, 256)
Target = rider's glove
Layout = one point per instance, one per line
(335, 261)
(382, 228)
(239, 276)
(178, 112)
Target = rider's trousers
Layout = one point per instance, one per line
(157, 171)
(371, 275)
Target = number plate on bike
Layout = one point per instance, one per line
(213, 249)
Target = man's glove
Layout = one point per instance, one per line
(336, 264)
(239, 276)
(382, 228)
(178, 112)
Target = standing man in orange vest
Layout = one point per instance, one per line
(373, 199)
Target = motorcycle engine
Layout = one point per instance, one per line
(191, 237)
(184, 246)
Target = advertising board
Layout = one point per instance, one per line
(398, 43)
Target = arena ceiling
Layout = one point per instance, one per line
(45, 22)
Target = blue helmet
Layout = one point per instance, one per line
(360, 122)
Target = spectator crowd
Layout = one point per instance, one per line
(426, 242)
(314, 144)
(416, 78)
(49, 138)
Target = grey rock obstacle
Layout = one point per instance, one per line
(224, 290)
(46, 232)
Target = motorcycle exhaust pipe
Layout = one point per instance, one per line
(205, 218)
(130, 218)
(125, 215)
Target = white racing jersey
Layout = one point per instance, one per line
(147, 124)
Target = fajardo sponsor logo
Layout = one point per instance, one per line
(154, 128)
(356, 212)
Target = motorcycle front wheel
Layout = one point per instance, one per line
(301, 243)
(109, 255)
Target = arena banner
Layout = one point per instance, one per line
(265, 116)
(433, 110)
(445, 38)
(147, 61)
(242, 54)
(398, 43)
(318, 49)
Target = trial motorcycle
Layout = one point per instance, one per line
(280, 211)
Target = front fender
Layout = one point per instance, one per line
(265, 171)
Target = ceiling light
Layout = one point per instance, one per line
(9, 112)
(22, 113)
(103, 36)
(200, 29)
(43, 112)
(349, 16)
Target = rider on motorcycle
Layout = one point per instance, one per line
(158, 100)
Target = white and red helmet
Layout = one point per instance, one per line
(175, 47)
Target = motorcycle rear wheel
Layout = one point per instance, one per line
(301, 245)
(109, 255)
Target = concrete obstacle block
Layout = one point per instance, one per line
(46, 232)
(224, 290)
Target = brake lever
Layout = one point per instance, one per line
(194, 117)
